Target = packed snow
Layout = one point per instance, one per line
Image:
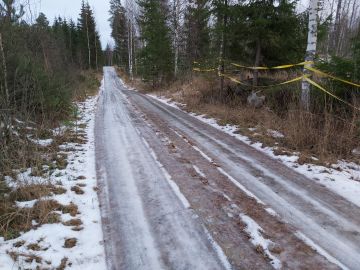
(254, 231)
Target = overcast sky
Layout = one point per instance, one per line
(71, 9)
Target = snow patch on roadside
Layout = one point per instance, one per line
(88, 253)
(342, 178)
(275, 134)
(44, 142)
(254, 231)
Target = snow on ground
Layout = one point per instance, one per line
(254, 231)
(41, 142)
(275, 134)
(342, 178)
(88, 253)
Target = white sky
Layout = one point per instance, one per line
(71, 9)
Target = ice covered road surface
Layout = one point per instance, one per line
(178, 194)
(149, 226)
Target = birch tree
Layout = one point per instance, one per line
(131, 8)
(310, 51)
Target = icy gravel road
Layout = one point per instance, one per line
(147, 222)
(150, 224)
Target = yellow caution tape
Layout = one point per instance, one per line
(283, 83)
(204, 70)
(329, 93)
(331, 76)
(277, 67)
(261, 86)
(233, 79)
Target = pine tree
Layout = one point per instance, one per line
(156, 54)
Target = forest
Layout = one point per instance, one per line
(212, 55)
(44, 67)
(206, 134)
(207, 49)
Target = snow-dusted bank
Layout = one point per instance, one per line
(342, 178)
(52, 246)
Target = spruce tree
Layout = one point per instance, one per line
(119, 26)
(197, 30)
(156, 54)
(89, 40)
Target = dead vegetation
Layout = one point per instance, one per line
(63, 264)
(35, 191)
(328, 135)
(20, 152)
(70, 243)
(77, 190)
(73, 222)
(29, 258)
(15, 220)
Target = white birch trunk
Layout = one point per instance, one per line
(310, 51)
(130, 50)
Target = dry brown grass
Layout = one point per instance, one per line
(325, 135)
(73, 222)
(35, 191)
(78, 190)
(14, 220)
(70, 243)
(63, 264)
(29, 258)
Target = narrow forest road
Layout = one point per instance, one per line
(178, 194)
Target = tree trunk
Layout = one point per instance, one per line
(130, 49)
(257, 62)
(176, 38)
(88, 41)
(310, 51)
(7, 96)
(329, 34)
(335, 39)
(223, 47)
(96, 52)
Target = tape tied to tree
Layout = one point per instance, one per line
(331, 76)
(329, 93)
(277, 67)
(307, 65)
